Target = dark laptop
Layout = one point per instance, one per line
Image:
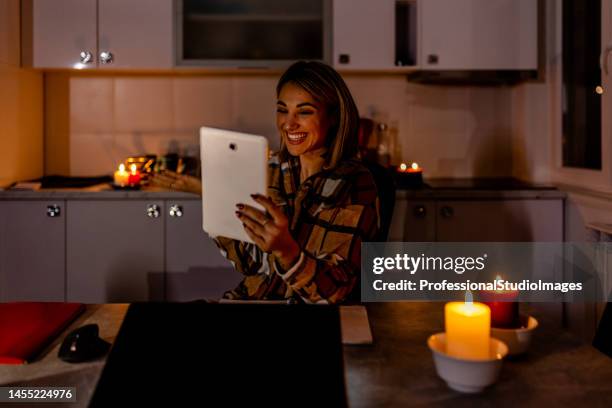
(202, 354)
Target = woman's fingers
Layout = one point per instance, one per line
(259, 241)
(253, 213)
(267, 203)
(250, 222)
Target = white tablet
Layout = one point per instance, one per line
(234, 166)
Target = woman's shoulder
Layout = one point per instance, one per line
(353, 171)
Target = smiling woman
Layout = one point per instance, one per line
(321, 204)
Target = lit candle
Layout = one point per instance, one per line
(468, 327)
(402, 168)
(504, 307)
(414, 168)
(121, 176)
(134, 177)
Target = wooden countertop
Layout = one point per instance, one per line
(397, 370)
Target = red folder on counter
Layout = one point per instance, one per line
(27, 327)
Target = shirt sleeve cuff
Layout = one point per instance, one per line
(287, 274)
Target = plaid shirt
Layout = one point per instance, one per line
(329, 214)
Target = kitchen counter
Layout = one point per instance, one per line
(490, 188)
(480, 188)
(397, 370)
(98, 192)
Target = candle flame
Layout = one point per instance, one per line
(498, 278)
(403, 167)
(469, 298)
(133, 168)
(122, 167)
(414, 166)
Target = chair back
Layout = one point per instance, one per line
(385, 184)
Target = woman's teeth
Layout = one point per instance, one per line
(296, 138)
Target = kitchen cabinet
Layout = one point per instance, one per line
(490, 220)
(195, 268)
(606, 82)
(32, 250)
(109, 250)
(499, 220)
(115, 250)
(64, 33)
(396, 35)
(252, 33)
(9, 34)
(86, 34)
(363, 34)
(413, 221)
(478, 34)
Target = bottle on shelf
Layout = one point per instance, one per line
(384, 145)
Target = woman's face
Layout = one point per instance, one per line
(301, 121)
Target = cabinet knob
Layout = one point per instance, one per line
(432, 59)
(106, 57)
(53, 211)
(446, 211)
(153, 211)
(175, 210)
(419, 211)
(86, 57)
(344, 58)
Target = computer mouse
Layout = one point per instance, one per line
(83, 344)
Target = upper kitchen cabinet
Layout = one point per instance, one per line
(107, 34)
(135, 34)
(9, 32)
(252, 33)
(374, 35)
(478, 34)
(64, 33)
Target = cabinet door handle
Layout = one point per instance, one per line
(86, 57)
(446, 211)
(153, 211)
(106, 57)
(419, 211)
(175, 210)
(53, 210)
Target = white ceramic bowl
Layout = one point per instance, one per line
(517, 340)
(468, 376)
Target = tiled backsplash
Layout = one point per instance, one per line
(450, 131)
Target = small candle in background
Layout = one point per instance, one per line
(121, 177)
(414, 168)
(504, 306)
(134, 177)
(402, 168)
(468, 328)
